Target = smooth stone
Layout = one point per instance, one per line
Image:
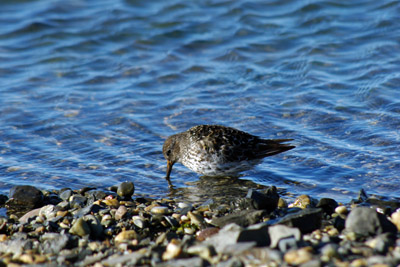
(173, 250)
(77, 201)
(126, 236)
(297, 257)
(396, 219)
(48, 211)
(302, 201)
(328, 205)
(196, 219)
(126, 189)
(307, 220)
(25, 196)
(330, 251)
(120, 213)
(195, 261)
(367, 222)
(65, 194)
(242, 218)
(80, 228)
(278, 232)
(341, 210)
(29, 215)
(160, 210)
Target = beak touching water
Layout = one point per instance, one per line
(169, 169)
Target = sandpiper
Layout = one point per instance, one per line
(215, 150)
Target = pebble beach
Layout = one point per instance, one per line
(116, 227)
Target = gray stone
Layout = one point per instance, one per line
(77, 201)
(122, 260)
(306, 220)
(16, 246)
(65, 194)
(53, 243)
(126, 189)
(195, 261)
(278, 232)
(225, 237)
(267, 200)
(367, 222)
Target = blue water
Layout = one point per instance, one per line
(89, 90)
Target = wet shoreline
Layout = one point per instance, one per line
(90, 227)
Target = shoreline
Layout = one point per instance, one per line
(90, 227)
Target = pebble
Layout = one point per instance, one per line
(107, 230)
(396, 219)
(80, 228)
(126, 189)
(120, 213)
(160, 210)
(126, 236)
(297, 257)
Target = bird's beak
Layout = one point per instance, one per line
(169, 169)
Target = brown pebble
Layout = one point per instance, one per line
(297, 257)
(206, 233)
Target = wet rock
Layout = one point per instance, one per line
(241, 218)
(367, 222)
(126, 189)
(80, 228)
(3, 199)
(25, 197)
(328, 205)
(267, 200)
(65, 194)
(306, 220)
(196, 219)
(303, 201)
(279, 232)
(257, 233)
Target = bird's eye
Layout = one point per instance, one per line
(168, 153)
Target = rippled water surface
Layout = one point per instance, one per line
(89, 90)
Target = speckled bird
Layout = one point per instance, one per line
(214, 150)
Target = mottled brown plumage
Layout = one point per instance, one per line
(215, 150)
